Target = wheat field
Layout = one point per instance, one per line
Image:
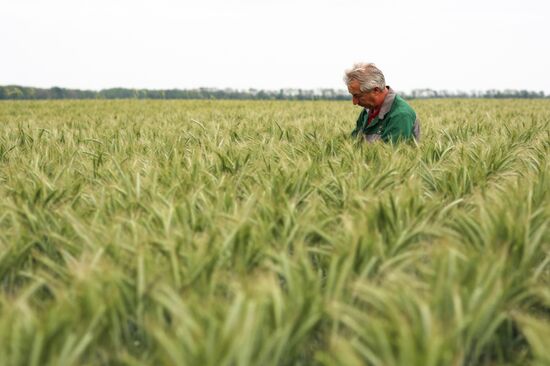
(259, 233)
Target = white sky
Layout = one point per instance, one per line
(455, 45)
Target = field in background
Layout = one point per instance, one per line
(259, 233)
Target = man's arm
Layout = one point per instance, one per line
(359, 124)
(399, 127)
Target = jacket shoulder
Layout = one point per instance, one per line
(401, 107)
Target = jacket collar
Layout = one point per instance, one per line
(388, 101)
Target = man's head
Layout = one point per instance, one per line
(366, 84)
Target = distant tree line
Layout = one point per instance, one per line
(491, 93)
(29, 93)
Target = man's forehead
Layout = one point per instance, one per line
(354, 82)
(354, 86)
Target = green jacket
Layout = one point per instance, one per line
(396, 121)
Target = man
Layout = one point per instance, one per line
(386, 116)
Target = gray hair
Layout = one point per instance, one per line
(368, 76)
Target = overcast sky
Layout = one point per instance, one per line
(455, 45)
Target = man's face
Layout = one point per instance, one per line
(367, 99)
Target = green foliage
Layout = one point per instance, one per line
(16, 92)
(259, 233)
